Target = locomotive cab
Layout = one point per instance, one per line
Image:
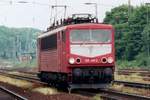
(91, 54)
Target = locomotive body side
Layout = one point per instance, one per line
(77, 55)
(49, 47)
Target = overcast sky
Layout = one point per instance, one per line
(36, 13)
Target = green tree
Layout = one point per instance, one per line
(137, 24)
(118, 17)
(15, 41)
(132, 36)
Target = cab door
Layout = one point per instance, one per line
(59, 46)
(63, 51)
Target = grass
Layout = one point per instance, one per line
(135, 77)
(137, 63)
(125, 89)
(28, 85)
(131, 78)
(97, 97)
(45, 90)
(16, 82)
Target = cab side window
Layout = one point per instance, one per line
(49, 42)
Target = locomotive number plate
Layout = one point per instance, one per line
(91, 60)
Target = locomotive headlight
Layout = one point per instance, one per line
(78, 60)
(104, 60)
(110, 60)
(71, 60)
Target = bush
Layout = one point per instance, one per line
(140, 61)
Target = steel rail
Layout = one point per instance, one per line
(27, 78)
(127, 72)
(108, 94)
(115, 95)
(126, 83)
(25, 72)
(133, 84)
(17, 96)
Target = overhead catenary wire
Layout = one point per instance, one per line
(58, 13)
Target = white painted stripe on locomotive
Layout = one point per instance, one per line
(51, 32)
(91, 50)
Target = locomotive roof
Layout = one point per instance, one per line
(76, 26)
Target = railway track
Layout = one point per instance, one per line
(135, 70)
(21, 77)
(144, 73)
(10, 94)
(133, 84)
(34, 78)
(109, 94)
(115, 95)
(106, 94)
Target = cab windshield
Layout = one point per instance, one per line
(90, 36)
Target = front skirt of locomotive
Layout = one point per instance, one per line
(91, 78)
(80, 77)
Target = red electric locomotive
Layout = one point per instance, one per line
(77, 53)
